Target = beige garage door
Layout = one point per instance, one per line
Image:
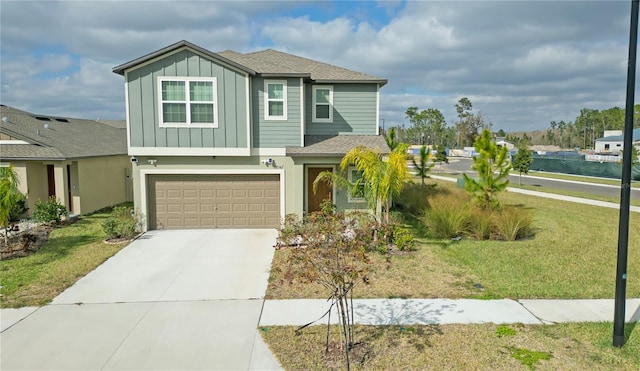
(214, 201)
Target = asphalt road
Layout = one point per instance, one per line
(463, 165)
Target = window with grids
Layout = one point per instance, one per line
(275, 100)
(188, 101)
(355, 177)
(322, 103)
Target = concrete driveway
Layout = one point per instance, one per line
(171, 300)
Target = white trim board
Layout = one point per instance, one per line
(187, 151)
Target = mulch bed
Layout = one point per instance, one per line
(24, 243)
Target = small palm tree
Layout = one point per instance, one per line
(8, 195)
(422, 167)
(382, 176)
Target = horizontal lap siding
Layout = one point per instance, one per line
(271, 133)
(354, 110)
(143, 104)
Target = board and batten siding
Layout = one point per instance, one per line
(276, 133)
(143, 104)
(354, 110)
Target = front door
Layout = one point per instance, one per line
(324, 190)
(51, 181)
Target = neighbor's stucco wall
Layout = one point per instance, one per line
(36, 182)
(101, 182)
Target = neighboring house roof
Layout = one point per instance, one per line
(325, 145)
(620, 138)
(57, 138)
(268, 63)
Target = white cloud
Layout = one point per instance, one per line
(522, 63)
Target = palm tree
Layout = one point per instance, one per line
(382, 176)
(8, 195)
(422, 167)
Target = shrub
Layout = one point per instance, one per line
(19, 208)
(480, 224)
(513, 224)
(121, 224)
(448, 216)
(49, 211)
(402, 238)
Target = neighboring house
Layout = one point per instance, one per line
(231, 140)
(83, 163)
(613, 141)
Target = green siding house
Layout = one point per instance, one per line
(232, 140)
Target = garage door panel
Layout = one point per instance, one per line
(214, 201)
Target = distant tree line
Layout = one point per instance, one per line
(428, 127)
(582, 132)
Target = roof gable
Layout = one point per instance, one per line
(138, 62)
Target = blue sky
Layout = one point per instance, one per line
(522, 63)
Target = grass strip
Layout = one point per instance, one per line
(70, 253)
(570, 346)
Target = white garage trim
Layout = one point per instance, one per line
(144, 206)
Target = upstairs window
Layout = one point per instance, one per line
(322, 103)
(188, 101)
(355, 177)
(275, 100)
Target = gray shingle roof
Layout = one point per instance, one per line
(270, 63)
(53, 137)
(320, 72)
(325, 145)
(262, 67)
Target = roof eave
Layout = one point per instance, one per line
(293, 74)
(382, 82)
(180, 44)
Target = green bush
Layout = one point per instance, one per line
(402, 238)
(448, 216)
(121, 224)
(49, 211)
(19, 208)
(513, 224)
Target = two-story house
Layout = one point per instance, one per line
(231, 140)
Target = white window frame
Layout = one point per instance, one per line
(188, 102)
(314, 117)
(350, 198)
(283, 100)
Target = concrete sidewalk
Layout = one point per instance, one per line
(448, 311)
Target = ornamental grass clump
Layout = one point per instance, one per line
(513, 224)
(447, 217)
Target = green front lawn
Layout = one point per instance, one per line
(70, 253)
(570, 346)
(572, 255)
